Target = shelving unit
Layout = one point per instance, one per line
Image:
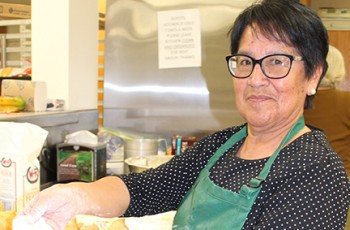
(15, 43)
(339, 36)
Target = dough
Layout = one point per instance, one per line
(95, 223)
(72, 225)
(6, 218)
(21, 222)
(118, 224)
(161, 221)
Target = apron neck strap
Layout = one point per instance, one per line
(227, 145)
(298, 126)
(255, 182)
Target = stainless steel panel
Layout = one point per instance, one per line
(141, 97)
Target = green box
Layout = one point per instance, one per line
(80, 162)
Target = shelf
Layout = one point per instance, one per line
(336, 23)
(16, 43)
(15, 22)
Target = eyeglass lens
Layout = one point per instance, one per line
(273, 66)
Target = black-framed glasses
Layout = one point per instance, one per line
(274, 66)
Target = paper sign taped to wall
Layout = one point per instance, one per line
(179, 39)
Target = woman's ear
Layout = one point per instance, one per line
(314, 80)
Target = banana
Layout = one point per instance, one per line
(10, 104)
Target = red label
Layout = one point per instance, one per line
(6, 162)
(33, 174)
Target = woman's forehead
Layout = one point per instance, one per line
(261, 32)
(271, 44)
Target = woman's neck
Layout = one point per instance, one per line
(262, 146)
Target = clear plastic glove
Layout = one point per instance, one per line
(56, 205)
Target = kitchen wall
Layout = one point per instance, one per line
(186, 99)
(65, 50)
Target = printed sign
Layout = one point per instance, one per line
(179, 39)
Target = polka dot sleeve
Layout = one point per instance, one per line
(162, 189)
(307, 187)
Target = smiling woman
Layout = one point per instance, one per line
(272, 172)
(269, 98)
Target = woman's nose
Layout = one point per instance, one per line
(257, 75)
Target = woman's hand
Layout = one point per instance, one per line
(56, 205)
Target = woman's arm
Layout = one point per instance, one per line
(107, 197)
(57, 205)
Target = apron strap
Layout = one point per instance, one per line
(227, 145)
(257, 181)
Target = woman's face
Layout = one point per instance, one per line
(265, 102)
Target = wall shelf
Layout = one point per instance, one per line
(15, 43)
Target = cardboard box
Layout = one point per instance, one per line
(33, 92)
(8, 10)
(27, 78)
(80, 162)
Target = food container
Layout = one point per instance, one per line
(179, 144)
(115, 168)
(80, 162)
(140, 147)
(140, 164)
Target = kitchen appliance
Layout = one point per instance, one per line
(189, 99)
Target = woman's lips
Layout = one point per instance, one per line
(258, 98)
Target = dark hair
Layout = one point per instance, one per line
(292, 23)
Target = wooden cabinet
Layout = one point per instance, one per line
(305, 2)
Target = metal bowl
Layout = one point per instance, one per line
(142, 163)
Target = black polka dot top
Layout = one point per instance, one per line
(307, 187)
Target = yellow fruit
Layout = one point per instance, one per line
(10, 104)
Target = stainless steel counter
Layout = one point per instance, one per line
(58, 124)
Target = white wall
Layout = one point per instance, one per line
(65, 50)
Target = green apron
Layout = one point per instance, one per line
(208, 206)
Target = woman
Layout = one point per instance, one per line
(273, 172)
(331, 111)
